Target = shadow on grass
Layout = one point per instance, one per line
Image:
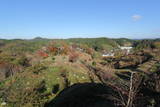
(84, 95)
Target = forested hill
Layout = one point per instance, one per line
(38, 42)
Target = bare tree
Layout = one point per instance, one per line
(135, 82)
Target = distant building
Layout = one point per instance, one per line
(80, 49)
(108, 54)
(125, 48)
(128, 49)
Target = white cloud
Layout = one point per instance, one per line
(136, 17)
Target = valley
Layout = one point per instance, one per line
(53, 72)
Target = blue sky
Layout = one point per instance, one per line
(79, 18)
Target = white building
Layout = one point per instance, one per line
(108, 54)
(128, 49)
(125, 48)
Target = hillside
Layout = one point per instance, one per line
(45, 72)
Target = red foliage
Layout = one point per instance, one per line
(42, 54)
(66, 48)
(74, 46)
(73, 56)
(52, 49)
(89, 51)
